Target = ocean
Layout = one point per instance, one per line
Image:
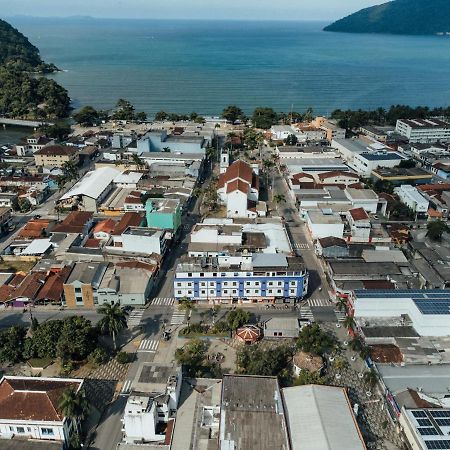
(202, 66)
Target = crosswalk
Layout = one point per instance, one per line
(135, 317)
(163, 301)
(148, 345)
(318, 302)
(340, 315)
(301, 246)
(306, 313)
(126, 388)
(177, 318)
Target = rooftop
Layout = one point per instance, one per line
(87, 273)
(382, 156)
(425, 123)
(57, 150)
(74, 222)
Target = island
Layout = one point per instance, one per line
(413, 17)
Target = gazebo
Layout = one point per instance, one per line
(248, 334)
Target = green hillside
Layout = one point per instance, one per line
(398, 17)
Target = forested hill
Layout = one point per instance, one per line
(398, 17)
(24, 92)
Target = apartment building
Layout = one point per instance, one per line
(55, 156)
(424, 130)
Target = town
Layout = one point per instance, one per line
(272, 282)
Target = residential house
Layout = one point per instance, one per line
(33, 144)
(76, 222)
(412, 197)
(104, 229)
(30, 409)
(331, 247)
(324, 223)
(55, 156)
(359, 223)
(164, 214)
(332, 131)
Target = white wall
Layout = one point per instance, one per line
(141, 244)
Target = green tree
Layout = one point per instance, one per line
(59, 130)
(141, 116)
(74, 406)
(279, 198)
(138, 161)
(407, 164)
(252, 138)
(160, 116)
(237, 317)
(371, 378)
(341, 304)
(12, 341)
(264, 118)
(45, 339)
(313, 339)
(349, 322)
(24, 204)
(70, 170)
(87, 116)
(306, 377)
(124, 111)
(436, 228)
(232, 113)
(192, 356)
(114, 320)
(291, 140)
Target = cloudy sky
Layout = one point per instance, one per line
(190, 9)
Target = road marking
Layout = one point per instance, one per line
(126, 387)
(318, 302)
(341, 315)
(299, 246)
(163, 301)
(177, 318)
(148, 345)
(135, 317)
(306, 313)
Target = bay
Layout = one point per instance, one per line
(183, 66)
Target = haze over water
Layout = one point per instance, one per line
(184, 66)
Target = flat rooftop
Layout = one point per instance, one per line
(252, 415)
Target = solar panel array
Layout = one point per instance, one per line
(419, 413)
(428, 301)
(427, 431)
(438, 413)
(424, 422)
(443, 445)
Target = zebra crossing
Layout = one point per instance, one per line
(148, 345)
(340, 315)
(126, 388)
(300, 246)
(318, 302)
(135, 317)
(163, 301)
(177, 318)
(306, 313)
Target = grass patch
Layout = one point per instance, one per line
(17, 266)
(39, 363)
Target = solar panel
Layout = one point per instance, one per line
(443, 422)
(424, 422)
(439, 413)
(428, 431)
(443, 445)
(419, 413)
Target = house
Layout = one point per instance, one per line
(144, 241)
(164, 214)
(128, 180)
(338, 177)
(30, 408)
(91, 190)
(423, 130)
(359, 223)
(331, 247)
(9, 200)
(80, 288)
(36, 228)
(324, 223)
(282, 132)
(33, 144)
(133, 202)
(284, 327)
(55, 156)
(129, 219)
(442, 170)
(365, 198)
(412, 197)
(104, 229)
(53, 289)
(366, 162)
(79, 222)
(238, 189)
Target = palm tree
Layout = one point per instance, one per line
(279, 198)
(356, 344)
(114, 320)
(371, 378)
(186, 304)
(349, 322)
(138, 161)
(341, 304)
(74, 406)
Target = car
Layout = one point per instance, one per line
(37, 216)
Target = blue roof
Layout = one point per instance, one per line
(381, 156)
(428, 301)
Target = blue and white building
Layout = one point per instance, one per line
(241, 277)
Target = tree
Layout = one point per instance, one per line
(166, 149)
(70, 170)
(371, 378)
(341, 304)
(160, 116)
(407, 164)
(138, 161)
(279, 198)
(186, 304)
(24, 204)
(12, 341)
(436, 228)
(237, 317)
(74, 406)
(349, 322)
(252, 138)
(59, 131)
(340, 364)
(308, 115)
(114, 320)
(124, 110)
(306, 377)
(141, 116)
(87, 116)
(192, 356)
(313, 339)
(233, 113)
(264, 118)
(383, 186)
(356, 344)
(291, 140)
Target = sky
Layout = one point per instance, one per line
(188, 9)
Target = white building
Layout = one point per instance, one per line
(423, 130)
(128, 180)
(144, 241)
(411, 197)
(92, 189)
(363, 198)
(29, 408)
(365, 162)
(359, 224)
(324, 223)
(282, 132)
(428, 310)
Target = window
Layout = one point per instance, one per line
(202, 284)
(235, 283)
(179, 284)
(29, 429)
(47, 431)
(247, 283)
(203, 292)
(179, 292)
(236, 274)
(223, 274)
(79, 299)
(212, 292)
(189, 284)
(20, 429)
(11, 428)
(202, 274)
(189, 274)
(292, 283)
(214, 274)
(77, 290)
(225, 291)
(279, 291)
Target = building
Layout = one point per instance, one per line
(423, 130)
(411, 197)
(428, 311)
(324, 223)
(321, 418)
(29, 408)
(238, 189)
(145, 241)
(426, 428)
(331, 247)
(164, 214)
(309, 362)
(398, 176)
(282, 327)
(332, 131)
(128, 180)
(80, 289)
(32, 144)
(365, 163)
(55, 156)
(366, 199)
(91, 190)
(245, 426)
(282, 132)
(241, 278)
(359, 223)
(79, 222)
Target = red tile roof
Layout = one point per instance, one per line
(239, 169)
(359, 214)
(137, 265)
(53, 286)
(299, 175)
(57, 150)
(92, 243)
(129, 219)
(30, 286)
(33, 398)
(106, 226)
(74, 222)
(237, 185)
(34, 228)
(337, 173)
(434, 187)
